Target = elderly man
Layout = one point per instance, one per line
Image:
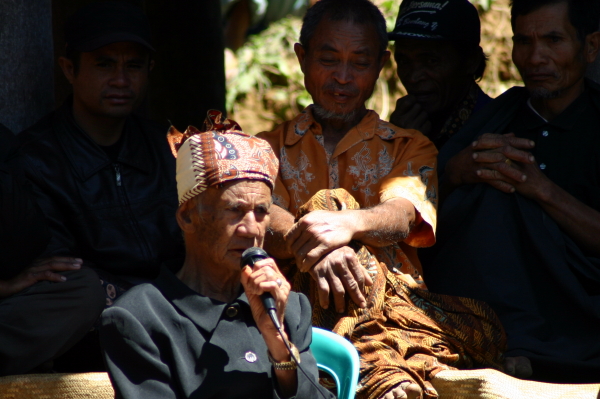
(104, 177)
(439, 61)
(521, 229)
(204, 332)
(356, 194)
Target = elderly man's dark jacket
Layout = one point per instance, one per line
(117, 214)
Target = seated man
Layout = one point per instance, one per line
(521, 230)
(104, 177)
(28, 287)
(204, 332)
(439, 61)
(403, 333)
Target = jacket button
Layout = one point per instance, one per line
(231, 311)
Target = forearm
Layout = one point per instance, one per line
(578, 220)
(384, 224)
(281, 222)
(287, 380)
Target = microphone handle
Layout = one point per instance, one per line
(269, 304)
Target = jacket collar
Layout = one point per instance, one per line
(203, 311)
(86, 157)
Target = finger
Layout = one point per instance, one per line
(426, 128)
(491, 141)
(56, 266)
(337, 289)
(502, 171)
(314, 252)
(403, 104)
(46, 275)
(413, 391)
(58, 259)
(354, 280)
(502, 186)
(509, 366)
(317, 273)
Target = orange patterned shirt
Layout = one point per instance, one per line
(375, 161)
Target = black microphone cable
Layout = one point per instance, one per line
(249, 257)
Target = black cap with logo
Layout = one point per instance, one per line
(101, 23)
(455, 20)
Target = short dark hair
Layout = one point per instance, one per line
(467, 50)
(356, 11)
(584, 15)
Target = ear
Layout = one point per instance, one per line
(384, 58)
(471, 63)
(184, 219)
(300, 54)
(591, 47)
(67, 67)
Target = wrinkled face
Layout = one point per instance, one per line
(341, 65)
(433, 72)
(230, 220)
(547, 52)
(112, 80)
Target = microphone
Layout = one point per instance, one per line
(249, 258)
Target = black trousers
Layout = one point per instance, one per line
(46, 319)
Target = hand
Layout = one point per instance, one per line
(265, 277)
(41, 269)
(518, 366)
(410, 115)
(489, 159)
(317, 234)
(536, 185)
(340, 271)
(406, 390)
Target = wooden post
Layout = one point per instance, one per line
(26, 62)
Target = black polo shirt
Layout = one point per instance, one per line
(567, 148)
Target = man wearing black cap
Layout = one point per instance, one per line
(439, 61)
(105, 178)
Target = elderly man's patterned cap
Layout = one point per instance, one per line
(219, 153)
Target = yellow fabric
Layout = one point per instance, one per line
(375, 161)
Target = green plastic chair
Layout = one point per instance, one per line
(338, 357)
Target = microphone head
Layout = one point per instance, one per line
(253, 255)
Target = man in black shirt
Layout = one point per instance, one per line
(520, 226)
(103, 177)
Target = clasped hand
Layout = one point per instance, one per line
(502, 161)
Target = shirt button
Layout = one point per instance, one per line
(231, 311)
(545, 133)
(542, 166)
(250, 357)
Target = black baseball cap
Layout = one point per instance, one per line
(455, 20)
(97, 24)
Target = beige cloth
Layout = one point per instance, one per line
(55, 386)
(492, 384)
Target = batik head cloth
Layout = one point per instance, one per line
(219, 153)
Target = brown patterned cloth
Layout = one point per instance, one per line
(220, 153)
(405, 333)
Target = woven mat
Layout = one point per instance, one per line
(492, 384)
(57, 386)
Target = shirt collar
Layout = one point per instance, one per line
(369, 127)
(565, 121)
(203, 311)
